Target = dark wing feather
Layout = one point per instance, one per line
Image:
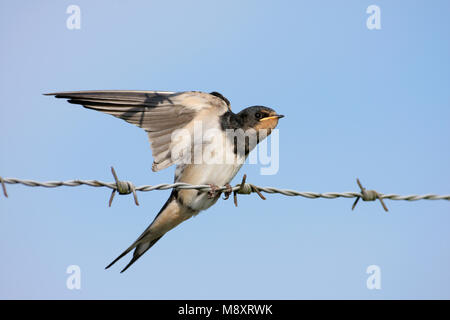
(160, 113)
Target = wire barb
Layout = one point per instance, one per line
(123, 187)
(245, 188)
(3, 187)
(368, 195)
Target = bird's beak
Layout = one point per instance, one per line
(277, 116)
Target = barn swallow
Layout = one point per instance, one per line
(160, 114)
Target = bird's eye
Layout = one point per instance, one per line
(258, 115)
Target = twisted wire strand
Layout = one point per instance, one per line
(179, 185)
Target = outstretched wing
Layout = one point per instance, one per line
(159, 113)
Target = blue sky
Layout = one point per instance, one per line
(373, 104)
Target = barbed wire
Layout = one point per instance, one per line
(127, 187)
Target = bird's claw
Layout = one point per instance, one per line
(212, 193)
(227, 191)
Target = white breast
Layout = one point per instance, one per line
(219, 166)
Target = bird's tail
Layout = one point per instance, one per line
(170, 215)
(141, 248)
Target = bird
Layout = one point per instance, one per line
(171, 120)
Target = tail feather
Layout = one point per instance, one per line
(168, 219)
(119, 257)
(139, 251)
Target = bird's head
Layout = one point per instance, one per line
(259, 118)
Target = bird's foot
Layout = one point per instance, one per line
(227, 191)
(213, 192)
